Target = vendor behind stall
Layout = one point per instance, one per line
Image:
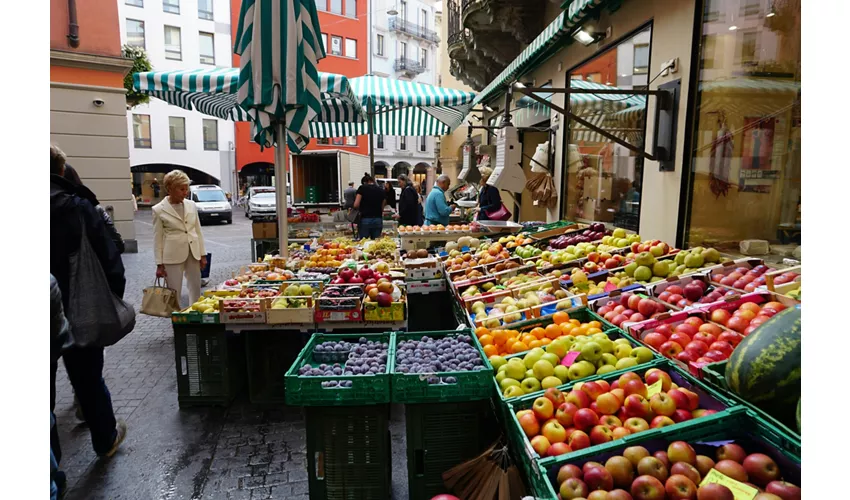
(489, 199)
(408, 203)
(437, 210)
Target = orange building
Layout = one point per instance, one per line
(346, 38)
(88, 108)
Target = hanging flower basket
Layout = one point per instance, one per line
(140, 63)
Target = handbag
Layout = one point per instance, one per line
(97, 315)
(159, 300)
(502, 213)
(353, 216)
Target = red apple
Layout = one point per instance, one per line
(715, 355)
(635, 454)
(664, 329)
(578, 398)
(618, 495)
(564, 414)
(680, 451)
(635, 387)
(675, 297)
(529, 424)
(662, 456)
(701, 412)
(704, 464)
(554, 395)
(647, 488)
(653, 375)
(766, 496)
(637, 406)
(573, 488)
(704, 337)
(725, 347)
(684, 401)
(598, 495)
(621, 470)
(761, 469)
(697, 348)
(737, 324)
(784, 490)
(661, 421)
(662, 404)
(620, 432)
(686, 356)
(680, 338)
(585, 418)
(647, 307)
(680, 487)
(681, 416)
(652, 466)
(598, 478)
(554, 432)
(710, 329)
(732, 469)
(636, 424)
(620, 394)
(589, 465)
(543, 408)
(654, 340)
(686, 470)
(540, 444)
(578, 440)
(558, 449)
(610, 421)
(720, 316)
(567, 471)
(601, 434)
(592, 389)
(633, 302)
(733, 338)
(670, 349)
(714, 491)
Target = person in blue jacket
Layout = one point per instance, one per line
(437, 209)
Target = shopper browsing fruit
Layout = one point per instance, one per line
(437, 209)
(370, 201)
(489, 199)
(178, 240)
(408, 203)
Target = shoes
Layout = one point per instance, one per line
(121, 432)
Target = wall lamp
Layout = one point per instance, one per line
(587, 37)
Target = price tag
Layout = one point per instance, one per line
(337, 316)
(443, 253)
(609, 287)
(207, 318)
(307, 247)
(739, 490)
(464, 249)
(570, 358)
(653, 389)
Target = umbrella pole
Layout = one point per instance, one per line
(280, 191)
(371, 113)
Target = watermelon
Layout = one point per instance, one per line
(799, 407)
(765, 368)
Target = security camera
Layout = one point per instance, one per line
(98, 102)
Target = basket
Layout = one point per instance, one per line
(415, 388)
(269, 355)
(348, 453)
(738, 424)
(364, 390)
(441, 436)
(210, 365)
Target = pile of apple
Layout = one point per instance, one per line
(786, 277)
(594, 232)
(597, 412)
(676, 473)
(630, 307)
(599, 261)
(618, 239)
(647, 269)
(556, 256)
(747, 317)
(743, 278)
(694, 292)
(542, 369)
(692, 340)
(367, 276)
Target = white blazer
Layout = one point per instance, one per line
(174, 237)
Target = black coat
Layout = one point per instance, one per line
(408, 206)
(489, 200)
(87, 194)
(66, 208)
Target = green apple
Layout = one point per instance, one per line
(642, 354)
(622, 340)
(563, 373)
(581, 369)
(551, 381)
(660, 268)
(643, 273)
(619, 233)
(694, 260)
(607, 359)
(513, 391)
(711, 255)
(515, 369)
(497, 361)
(680, 257)
(529, 374)
(656, 251)
(622, 350)
(543, 369)
(630, 269)
(605, 369)
(530, 385)
(499, 377)
(606, 344)
(532, 357)
(626, 363)
(591, 351)
(551, 358)
(644, 259)
(507, 382)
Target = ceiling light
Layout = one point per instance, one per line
(392, 12)
(488, 109)
(586, 37)
(732, 28)
(519, 85)
(624, 75)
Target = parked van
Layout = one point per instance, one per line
(212, 203)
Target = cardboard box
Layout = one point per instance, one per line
(294, 316)
(396, 312)
(423, 273)
(330, 316)
(426, 287)
(264, 230)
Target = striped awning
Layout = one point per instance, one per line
(742, 97)
(213, 92)
(543, 46)
(409, 108)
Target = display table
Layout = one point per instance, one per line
(417, 241)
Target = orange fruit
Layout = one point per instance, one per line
(575, 322)
(481, 330)
(560, 317)
(491, 350)
(538, 332)
(592, 330)
(594, 324)
(535, 343)
(553, 331)
(486, 339)
(528, 338)
(518, 347)
(499, 337)
(581, 330)
(546, 340)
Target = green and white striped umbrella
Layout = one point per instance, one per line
(213, 92)
(409, 108)
(279, 48)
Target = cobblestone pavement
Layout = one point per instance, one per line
(227, 453)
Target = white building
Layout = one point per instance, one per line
(178, 34)
(405, 43)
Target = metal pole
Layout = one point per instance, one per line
(280, 191)
(370, 111)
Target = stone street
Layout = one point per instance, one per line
(217, 453)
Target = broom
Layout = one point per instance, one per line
(489, 476)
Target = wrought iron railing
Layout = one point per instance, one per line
(409, 65)
(413, 29)
(455, 27)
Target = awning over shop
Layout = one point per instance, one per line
(749, 96)
(546, 44)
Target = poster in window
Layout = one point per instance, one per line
(757, 174)
(336, 45)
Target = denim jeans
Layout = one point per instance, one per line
(85, 370)
(371, 227)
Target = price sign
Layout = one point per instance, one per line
(739, 490)
(653, 389)
(206, 318)
(464, 249)
(570, 358)
(337, 316)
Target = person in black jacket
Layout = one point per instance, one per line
(391, 201)
(408, 203)
(71, 217)
(87, 194)
(60, 339)
(489, 199)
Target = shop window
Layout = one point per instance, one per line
(323, 141)
(177, 132)
(337, 141)
(402, 143)
(744, 174)
(751, 8)
(142, 131)
(604, 179)
(711, 13)
(711, 56)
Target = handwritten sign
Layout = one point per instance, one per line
(653, 389)
(570, 358)
(739, 490)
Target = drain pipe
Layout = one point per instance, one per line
(73, 27)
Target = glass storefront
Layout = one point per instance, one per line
(745, 179)
(604, 179)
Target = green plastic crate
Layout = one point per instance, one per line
(441, 436)
(738, 424)
(348, 453)
(714, 374)
(269, 355)
(414, 388)
(210, 365)
(365, 389)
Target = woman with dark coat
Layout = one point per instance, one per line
(489, 198)
(391, 201)
(408, 203)
(85, 193)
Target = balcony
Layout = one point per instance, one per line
(413, 29)
(408, 66)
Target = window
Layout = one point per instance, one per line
(711, 57)
(751, 7)
(402, 50)
(423, 18)
(336, 45)
(177, 132)
(422, 144)
(711, 13)
(749, 47)
(205, 9)
(322, 5)
(136, 33)
(173, 48)
(351, 8)
(207, 48)
(323, 141)
(172, 6)
(576, 77)
(325, 41)
(402, 142)
(379, 141)
(336, 7)
(351, 141)
(403, 11)
(594, 77)
(641, 59)
(423, 57)
(142, 131)
(207, 195)
(337, 141)
(135, 3)
(210, 131)
(379, 46)
(350, 48)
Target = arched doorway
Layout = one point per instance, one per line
(420, 175)
(256, 174)
(382, 169)
(147, 180)
(401, 167)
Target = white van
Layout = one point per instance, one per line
(212, 203)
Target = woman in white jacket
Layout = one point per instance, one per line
(178, 241)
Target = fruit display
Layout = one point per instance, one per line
(618, 239)
(341, 297)
(696, 258)
(688, 338)
(629, 307)
(690, 290)
(329, 255)
(417, 254)
(439, 228)
(515, 240)
(290, 303)
(745, 315)
(241, 305)
(364, 358)
(646, 268)
(506, 310)
(257, 293)
(460, 270)
(205, 305)
(527, 252)
(595, 232)
(305, 217)
(384, 293)
(600, 411)
(470, 242)
(428, 356)
(501, 342)
(680, 470)
(586, 355)
(365, 276)
(765, 369)
(742, 277)
(794, 294)
(382, 248)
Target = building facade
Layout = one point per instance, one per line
(88, 103)
(178, 34)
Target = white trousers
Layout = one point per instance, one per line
(174, 278)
